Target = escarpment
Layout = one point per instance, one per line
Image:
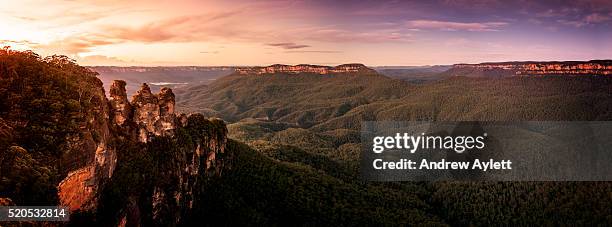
(184, 151)
(303, 68)
(505, 69)
(88, 159)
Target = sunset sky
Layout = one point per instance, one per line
(199, 32)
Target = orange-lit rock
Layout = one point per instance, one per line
(121, 108)
(595, 67)
(146, 112)
(153, 113)
(88, 161)
(6, 202)
(167, 120)
(294, 69)
(77, 190)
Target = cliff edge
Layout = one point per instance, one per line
(303, 68)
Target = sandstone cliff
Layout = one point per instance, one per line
(595, 67)
(148, 118)
(111, 161)
(89, 160)
(294, 69)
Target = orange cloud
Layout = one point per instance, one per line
(94, 60)
(288, 45)
(75, 44)
(183, 28)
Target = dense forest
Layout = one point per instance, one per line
(43, 101)
(316, 126)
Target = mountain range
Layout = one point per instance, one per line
(312, 119)
(276, 145)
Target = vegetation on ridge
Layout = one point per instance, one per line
(43, 101)
(273, 124)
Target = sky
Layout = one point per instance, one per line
(375, 33)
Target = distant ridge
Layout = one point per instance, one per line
(143, 69)
(525, 68)
(304, 68)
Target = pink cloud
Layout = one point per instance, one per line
(455, 26)
(596, 18)
(338, 35)
(591, 19)
(183, 28)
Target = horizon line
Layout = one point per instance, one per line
(429, 65)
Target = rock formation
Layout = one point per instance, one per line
(294, 69)
(153, 114)
(595, 67)
(111, 161)
(146, 113)
(6, 202)
(166, 123)
(89, 160)
(147, 119)
(121, 108)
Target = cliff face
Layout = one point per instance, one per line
(89, 160)
(294, 69)
(596, 67)
(148, 118)
(153, 114)
(120, 107)
(62, 141)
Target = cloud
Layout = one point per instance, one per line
(17, 42)
(455, 26)
(175, 29)
(76, 44)
(596, 18)
(553, 13)
(69, 13)
(288, 45)
(574, 23)
(180, 29)
(94, 60)
(313, 51)
(472, 3)
(336, 34)
(229, 26)
(590, 19)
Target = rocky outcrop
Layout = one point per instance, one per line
(89, 161)
(153, 114)
(171, 202)
(121, 108)
(6, 202)
(595, 67)
(146, 113)
(111, 161)
(294, 69)
(78, 190)
(143, 122)
(166, 123)
(198, 151)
